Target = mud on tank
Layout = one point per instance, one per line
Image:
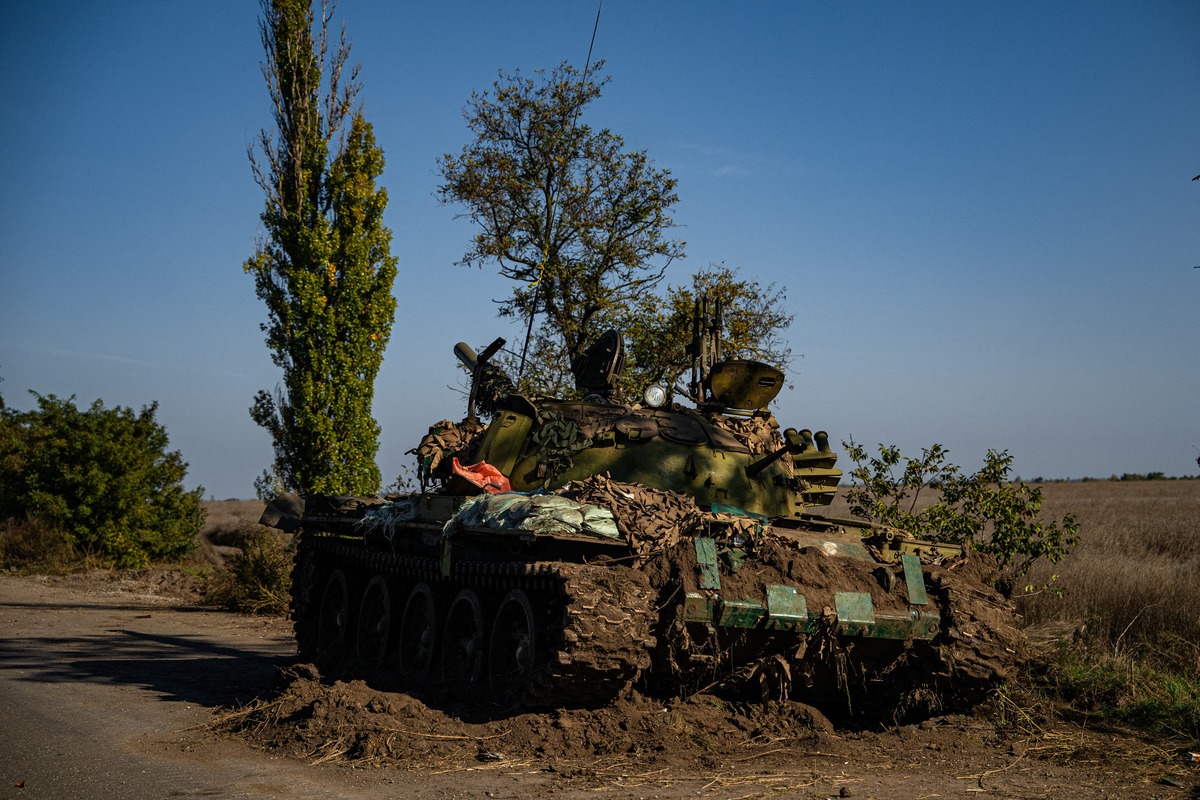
(569, 550)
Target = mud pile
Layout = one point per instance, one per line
(349, 720)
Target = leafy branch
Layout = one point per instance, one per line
(985, 509)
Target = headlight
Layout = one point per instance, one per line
(655, 396)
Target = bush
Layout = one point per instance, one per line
(257, 580)
(987, 510)
(104, 476)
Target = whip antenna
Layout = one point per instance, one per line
(587, 65)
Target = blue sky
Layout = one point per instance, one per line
(982, 212)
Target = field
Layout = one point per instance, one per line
(1135, 576)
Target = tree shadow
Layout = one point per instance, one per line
(189, 667)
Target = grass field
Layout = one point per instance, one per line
(1127, 625)
(1134, 578)
(225, 519)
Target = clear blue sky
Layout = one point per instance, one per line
(982, 212)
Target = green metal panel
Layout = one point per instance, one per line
(706, 557)
(697, 608)
(786, 607)
(918, 625)
(915, 578)
(854, 608)
(740, 613)
(725, 508)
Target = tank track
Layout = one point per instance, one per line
(979, 646)
(604, 642)
(595, 638)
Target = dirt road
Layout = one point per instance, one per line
(107, 691)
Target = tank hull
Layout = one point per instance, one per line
(470, 608)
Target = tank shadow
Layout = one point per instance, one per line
(189, 667)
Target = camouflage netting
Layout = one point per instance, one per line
(445, 440)
(653, 520)
(649, 519)
(759, 434)
(558, 438)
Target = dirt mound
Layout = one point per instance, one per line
(350, 720)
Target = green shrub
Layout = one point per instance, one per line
(1144, 690)
(986, 509)
(257, 580)
(103, 476)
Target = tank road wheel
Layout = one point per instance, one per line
(418, 635)
(463, 645)
(374, 621)
(512, 650)
(334, 618)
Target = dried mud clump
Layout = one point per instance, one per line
(351, 721)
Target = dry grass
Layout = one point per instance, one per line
(1134, 578)
(258, 578)
(34, 545)
(1128, 623)
(253, 564)
(225, 519)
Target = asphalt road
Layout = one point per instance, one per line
(105, 694)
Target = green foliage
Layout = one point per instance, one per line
(1137, 476)
(564, 210)
(660, 330)
(325, 272)
(985, 509)
(104, 476)
(581, 224)
(257, 580)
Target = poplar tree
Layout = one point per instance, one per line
(324, 270)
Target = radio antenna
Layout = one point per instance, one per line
(550, 211)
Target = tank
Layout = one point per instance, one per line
(566, 551)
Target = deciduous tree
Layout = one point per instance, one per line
(660, 329)
(578, 221)
(325, 270)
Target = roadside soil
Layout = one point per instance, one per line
(124, 668)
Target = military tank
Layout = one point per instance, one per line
(568, 550)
